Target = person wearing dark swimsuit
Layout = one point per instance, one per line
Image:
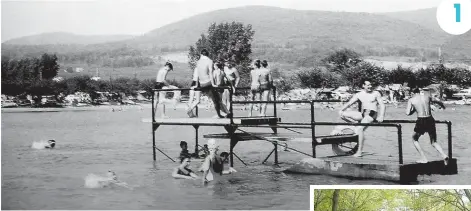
(370, 101)
(425, 123)
(183, 171)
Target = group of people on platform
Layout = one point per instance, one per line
(210, 78)
(218, 80)
(370, 100)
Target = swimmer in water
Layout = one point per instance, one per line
(51, 144)
(213, 163)
(44, 144)
(183, 171)
(113, 179)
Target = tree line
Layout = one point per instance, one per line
(346, 68)
(392, 199)
(91, 55)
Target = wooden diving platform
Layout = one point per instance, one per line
(214, 121)
(373, 167)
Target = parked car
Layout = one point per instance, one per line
(342, 95)
(325, 95)
(463, 93)
(23, 102)
(50, 101)
(9, 104)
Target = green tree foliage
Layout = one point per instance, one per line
(318, 78)
(48, 66)
(392, 200)
(226, 42)
(21, 75)
(341, 60)
(401, 75)
(354, 76)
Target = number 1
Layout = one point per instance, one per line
(458, 12)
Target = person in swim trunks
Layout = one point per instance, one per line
(425, 123)
(232, 77)
(266, 82)
(183, 171)
(218, 75)
(213, 163)
(204, 68)
(160, 83)
(255, 84)
(370, 99)
(195, 95)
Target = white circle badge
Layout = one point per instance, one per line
(454, 16)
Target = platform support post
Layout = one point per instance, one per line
(231, 130)
(265, 160)
(196, 138)
(399, 140)
(154, 128)
(450, 151)
(276, 152)
(313, 131)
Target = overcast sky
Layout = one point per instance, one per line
(136, 17)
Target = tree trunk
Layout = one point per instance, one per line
(468, 193)
(335, 199)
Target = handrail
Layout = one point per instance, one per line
(312, 124)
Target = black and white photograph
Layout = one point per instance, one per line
(230, 104)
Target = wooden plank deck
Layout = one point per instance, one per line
(214, 121)
(373, 167)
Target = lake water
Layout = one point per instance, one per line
(95, 141)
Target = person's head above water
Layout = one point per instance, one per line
(185, 161)
(212, 145)
(112, 175)
(224, 156)
(51, 143)
(183, 145)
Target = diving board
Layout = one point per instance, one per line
(214, 121)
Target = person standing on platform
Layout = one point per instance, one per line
(159, 96)
(420, 103)
(232, 78)
(370, 99)
(266, 83)
(204, 67)
(255, 84)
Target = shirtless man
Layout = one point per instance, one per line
(204, 68)
(232, 78)
(369, 100)
(266, 82)
(255, 85)
(420, 103)
(160, 83)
